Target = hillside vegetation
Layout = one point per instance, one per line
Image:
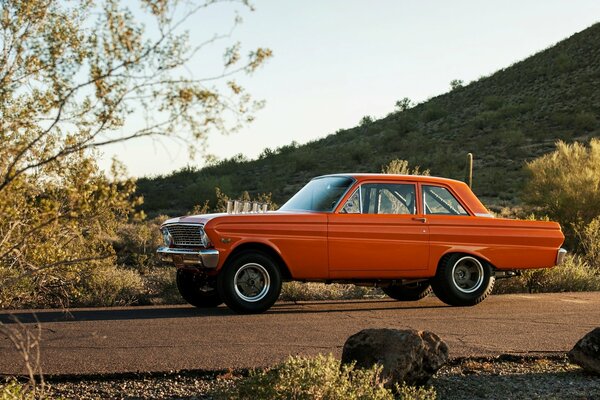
(510, 117)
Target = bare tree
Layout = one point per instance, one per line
(73, 74)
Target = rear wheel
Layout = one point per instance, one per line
(463, 280)
(197, 290)
(250, 283)
(409, 292)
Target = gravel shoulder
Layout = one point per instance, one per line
(502, 377)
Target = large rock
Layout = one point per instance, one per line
(586, 352)
(406, 355)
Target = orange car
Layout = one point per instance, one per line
(407, 234)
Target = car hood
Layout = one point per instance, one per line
(193, 219)
(204, 218)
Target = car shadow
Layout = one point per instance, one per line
(184, 311)
(343, 306)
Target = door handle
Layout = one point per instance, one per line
(420, 219)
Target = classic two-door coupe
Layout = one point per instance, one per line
(406, 234)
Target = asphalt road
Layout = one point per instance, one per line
(171, 338)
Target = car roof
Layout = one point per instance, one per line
(394, 177)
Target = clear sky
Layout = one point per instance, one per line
(336, 61)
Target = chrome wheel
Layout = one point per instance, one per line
(251, 282)
(467, 274)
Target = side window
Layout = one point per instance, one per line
(352, 205)
(382, 198)
(439, 200)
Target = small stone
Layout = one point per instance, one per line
(408, 356)
(586, 352)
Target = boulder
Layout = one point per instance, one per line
(586, 352)
(406, 355)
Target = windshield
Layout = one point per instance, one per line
(320, 194)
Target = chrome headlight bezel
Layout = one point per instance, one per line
(204, 238)
(167, 238)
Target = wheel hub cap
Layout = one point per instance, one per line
(467, 274)
(252, 282)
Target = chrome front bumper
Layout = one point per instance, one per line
(205, 258)
(560, 256)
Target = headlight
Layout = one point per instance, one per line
(167, 238)
(204, 237)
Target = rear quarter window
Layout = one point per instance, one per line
(438, 200)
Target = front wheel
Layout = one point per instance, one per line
(196, 290)
(463, 280)
(409, 292)
(250, 283)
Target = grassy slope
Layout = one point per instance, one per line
(505, 119)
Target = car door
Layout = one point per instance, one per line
(378, 232)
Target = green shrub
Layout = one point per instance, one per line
(108, 285)
(432, 113)
(297, 291)
(404, 104)
(136, 243)
(456, 84)
(564, 185)
(589, 243)
(512, 138)
(564, 63)
(320, 377)
(563, 119)
(160, 287)
(493, 102)
(586, 121)
(366, 120)
(54, 223)
(486, 119)
(11, 389)
(574, 275)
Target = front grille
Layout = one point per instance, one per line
(186, 235)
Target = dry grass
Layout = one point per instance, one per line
(574, 275)
(320, 377)
(298, 291)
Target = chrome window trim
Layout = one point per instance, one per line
(401, 183)
(449, 190)
(360, 205)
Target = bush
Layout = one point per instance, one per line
(401, 167)
(493, 102)
(586, 121)
(297, 291)
(160, 287)
(366, 120)
(321, 377)
(432, 113)
(574, 275)
(54, 224)
(486, 119)
(108, 285)
(564, 185)
(589, 243)
(136, 244)
(11, 389)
